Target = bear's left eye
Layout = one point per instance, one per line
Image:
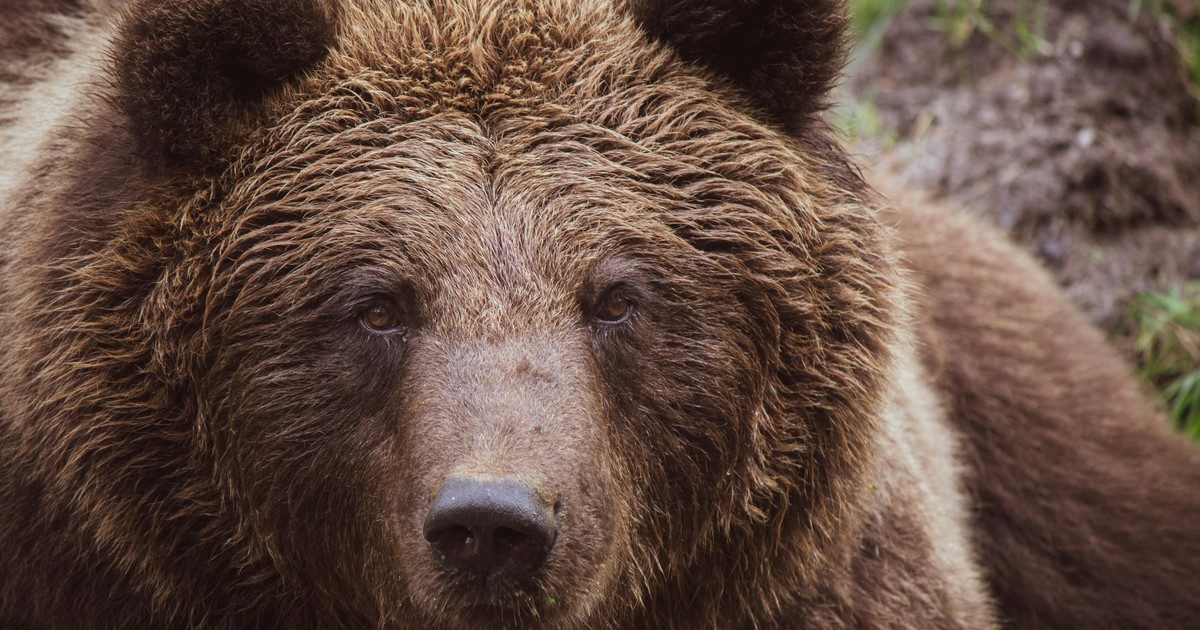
(615, 307)
(379, 316)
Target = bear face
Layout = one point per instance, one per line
(469, 241)
(566, 313)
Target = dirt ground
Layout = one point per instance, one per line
(1071, 123)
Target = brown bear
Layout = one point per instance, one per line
(551, 313)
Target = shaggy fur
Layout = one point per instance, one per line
(1086, 504)
(196, 431)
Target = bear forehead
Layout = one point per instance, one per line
(477, 55)
(451, 197)
(476, 113)
(545, 78)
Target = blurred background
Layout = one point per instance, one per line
(1074, 125)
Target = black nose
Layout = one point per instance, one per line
(494, 528)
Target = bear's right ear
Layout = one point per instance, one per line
(190, 74)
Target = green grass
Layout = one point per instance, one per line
(860, 121)
(870, 16)
(1165, 330)
(959, 19)
(1166, 326)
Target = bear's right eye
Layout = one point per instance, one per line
(379, 316)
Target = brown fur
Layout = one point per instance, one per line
(194, 431)
(32, 32)
(1086, 504)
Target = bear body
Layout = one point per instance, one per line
(275, 275)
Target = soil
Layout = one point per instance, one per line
(1083, 145)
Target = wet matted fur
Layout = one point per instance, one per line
(824, 411)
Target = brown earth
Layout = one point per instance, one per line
(1083, 146)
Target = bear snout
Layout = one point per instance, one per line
(496, 529)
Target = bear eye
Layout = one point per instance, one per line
(379, 316)
(615, 307)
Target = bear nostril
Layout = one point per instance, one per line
(508, 539)
(495, 528)
(453, 541)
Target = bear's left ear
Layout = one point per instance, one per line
(190, 74)
(786, 54)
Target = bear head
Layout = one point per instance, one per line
(460, 312)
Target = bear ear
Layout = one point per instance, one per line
(786, 54)
(190, 74)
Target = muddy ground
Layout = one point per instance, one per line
(1072, 124)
